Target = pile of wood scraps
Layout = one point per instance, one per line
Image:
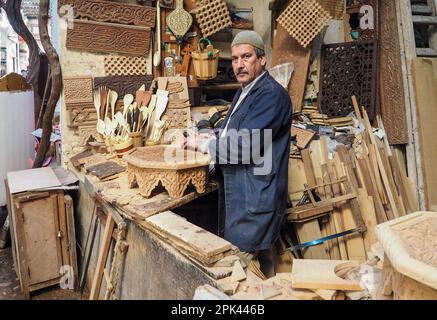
(102, 167)
(340, 192)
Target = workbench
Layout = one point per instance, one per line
(152, 267)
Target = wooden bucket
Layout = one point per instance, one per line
(205, 61)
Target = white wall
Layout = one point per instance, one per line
(16, 141)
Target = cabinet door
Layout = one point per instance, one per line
(42, 247)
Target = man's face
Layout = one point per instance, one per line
(245, 63)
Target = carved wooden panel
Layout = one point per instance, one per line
(108, 37)
(86, 133)
(304, 19)
(125, 65)
(109, 11)
(213, 17)
(420, 239)
(348, 69)
(78, 90)
(370, 34)
(177, 118)
(123, 84)
(334, 7)
(391, 84)
(81, 115)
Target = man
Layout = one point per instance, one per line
(253, 192)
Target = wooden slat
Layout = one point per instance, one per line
(103, 255)
(425, 83)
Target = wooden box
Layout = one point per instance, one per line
(42, 231)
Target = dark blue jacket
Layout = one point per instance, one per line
(254, 204)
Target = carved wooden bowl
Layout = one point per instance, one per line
(172, 167)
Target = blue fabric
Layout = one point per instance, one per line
(254, 204)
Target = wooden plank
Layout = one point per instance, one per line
(63, 229)
(199, 243)
(32, 179)
(320, 274)
(407, 193)
(381, 166)
(103, 255)
(425, 82)
(71, 236)
(310, 230)
(369, 217)
(286, 49)
(370, 184)
(336, 215)
(354, 243)
(388, 169)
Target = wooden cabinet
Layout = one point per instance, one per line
(43, 238)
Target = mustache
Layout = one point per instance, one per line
(242, 72)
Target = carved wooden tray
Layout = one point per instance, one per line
(108, 37)
(106, 11)
(166, 157)
(149, 167)
(410, 243)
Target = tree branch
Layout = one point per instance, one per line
(56, 82)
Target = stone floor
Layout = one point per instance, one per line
(10, 285)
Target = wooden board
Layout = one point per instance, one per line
(201, 244)
(287, 49)
(32, 179)
(108, 37)
(40, 235)
(105, 11)
(106, 169)
(391, 85)
(425, 82)
(320, 274)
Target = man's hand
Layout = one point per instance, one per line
(196, 142)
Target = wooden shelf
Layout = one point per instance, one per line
(222, 86)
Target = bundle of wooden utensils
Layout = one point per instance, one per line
(125, 130)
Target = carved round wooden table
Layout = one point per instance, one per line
(172, 167)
